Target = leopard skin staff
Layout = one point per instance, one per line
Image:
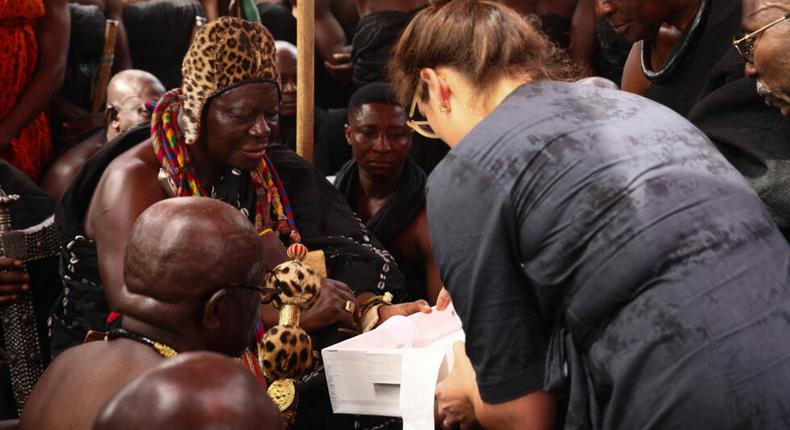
(20, 333)
(286, 351)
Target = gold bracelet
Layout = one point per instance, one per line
(370, 318)
(367, 319)
(265, 232)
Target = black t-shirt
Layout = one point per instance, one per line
(597, 245)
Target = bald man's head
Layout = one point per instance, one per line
(192, 391)
(127, 93)
(183, 260)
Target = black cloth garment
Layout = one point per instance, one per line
(160, 32)
(33, 207)
(394, 216)
(683, 87)
(86, 42)
(427, 153)
(598, 246)
(612, 53)
(85, 51)
(324, 221)
(753, 136)
(710, 89)
(376, 36)
(331, 150)
(278, 19)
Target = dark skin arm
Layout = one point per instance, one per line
(329, 35)
(52, 36)
(433, 281)
(211, 7)
(633, 79)
(113, 211)
(330, 308)
(583, 37)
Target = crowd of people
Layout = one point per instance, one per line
(599, 187)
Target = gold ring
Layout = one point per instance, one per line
(350, 306)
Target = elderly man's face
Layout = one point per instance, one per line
(239, 125)
(126, 105)
(286, 62)
(771, 65)
(635, 19)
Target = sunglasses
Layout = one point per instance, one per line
(420, 126)
(745, 45)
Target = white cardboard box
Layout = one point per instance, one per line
(364, 372)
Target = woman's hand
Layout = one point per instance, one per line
(443, 300)
(12, 281)
(330, 308)
(454, 402)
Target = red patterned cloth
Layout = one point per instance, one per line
(18, 56)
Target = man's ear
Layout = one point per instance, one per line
(347, 132)
(111, 116)
(215, 309)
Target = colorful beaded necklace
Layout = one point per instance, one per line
(171, 151)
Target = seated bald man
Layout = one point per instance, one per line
(127, 94)
(194, 391)
(190, 268)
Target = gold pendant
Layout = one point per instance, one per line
(283, 393)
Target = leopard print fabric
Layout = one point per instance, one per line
(298, 282)
(224, 53)
(286, 353)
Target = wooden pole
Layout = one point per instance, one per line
(305, 77)
(105, 68)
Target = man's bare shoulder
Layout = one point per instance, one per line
(132, 176)
(62, 379)
(62, 171)
(134, 167)
(81, 380)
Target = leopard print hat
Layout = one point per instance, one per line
(224, 53)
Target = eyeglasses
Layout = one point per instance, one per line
(267, 294)
(745, 45)
(420, 126)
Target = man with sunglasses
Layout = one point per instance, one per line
(127, 94)
(192, 270)
(764, 48)
(683, 58)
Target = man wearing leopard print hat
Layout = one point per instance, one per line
(213, 137)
